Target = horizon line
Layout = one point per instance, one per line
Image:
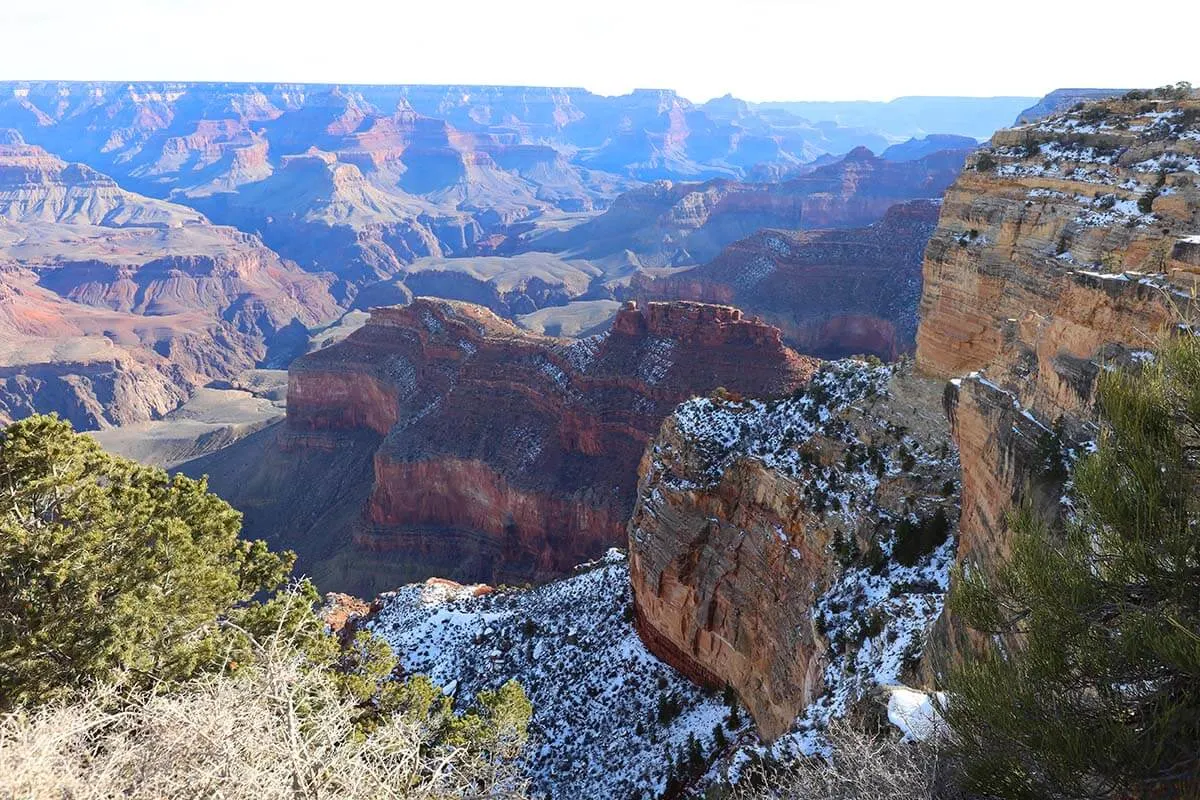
(461, 85)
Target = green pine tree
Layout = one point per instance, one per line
(110, 569)
(719, 740)
(1091, 686)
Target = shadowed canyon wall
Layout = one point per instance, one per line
(502, 454)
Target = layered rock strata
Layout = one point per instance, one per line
(748, 512)
(674, 224)
(506, 455)
(363, 179)
(833, 293)
(117, 306)
(1065, 248)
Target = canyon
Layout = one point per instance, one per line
(493, 453)
(524, 326)
(850, 490)
(158, 240)
(1066, 247)
(360, 180)
(674, 224)
(117, 307)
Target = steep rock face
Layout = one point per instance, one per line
(748, 512)
(1068, 242)
(679, 223)
(116, 306)
(832, 293)
(511, 455)
(1007, 458)
(1065, 247)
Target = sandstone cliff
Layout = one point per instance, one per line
(833, 293)
(1065, 247)
(766, 534)
(501, 454)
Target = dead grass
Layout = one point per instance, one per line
(863, 767)
(280, 729)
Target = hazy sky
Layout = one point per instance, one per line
(756, 49)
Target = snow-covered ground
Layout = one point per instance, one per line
(597, 693)
(598, 730)
(876, 622)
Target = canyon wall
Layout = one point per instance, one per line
(500, 455)
(1067, 247)
(748, 512)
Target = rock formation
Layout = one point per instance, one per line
(833, 293)
(509, 286)
(500, 454)
(1061, 100)
(747, 512)
(916, 148)
(1065, 247)
(116, 306)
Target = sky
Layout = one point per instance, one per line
(758, 50)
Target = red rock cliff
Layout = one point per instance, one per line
(747, 513)
(1065, 247)
(512, 455)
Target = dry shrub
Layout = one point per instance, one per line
(279, 729)
(863, 767)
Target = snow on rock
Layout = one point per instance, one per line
(916, 713)
(876, 620)
(767, 430)
(656, 360)
(597, 730)
(877, 612)
(581, 353)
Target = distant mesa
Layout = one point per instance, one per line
(832, 293)
(916, 148)
(1061, 100)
